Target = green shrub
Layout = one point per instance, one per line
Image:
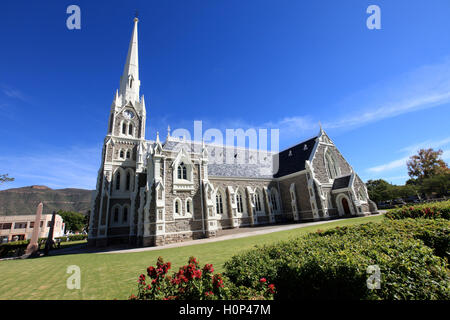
(74, 237)
(435, 233)
(13, 249)
(434, 210)
(333, 264)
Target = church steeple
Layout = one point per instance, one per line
(129, 82)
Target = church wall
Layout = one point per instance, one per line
(318, 163)
(301, 193)
(226, 221)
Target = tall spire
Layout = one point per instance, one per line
(129, 82)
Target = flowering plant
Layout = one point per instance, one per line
(190, 283)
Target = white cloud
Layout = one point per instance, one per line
(14, 93)
(410, 150)
(389, 166)
(426, 144)
(74, 167)
(425, 87)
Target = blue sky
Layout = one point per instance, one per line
(380, 94)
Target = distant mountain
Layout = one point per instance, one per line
(23, 201)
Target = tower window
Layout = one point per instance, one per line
(118, 181)
(182, 171)
(130, 82)
(128, 154)
(130, 129)
(116, 214)
(122, 154)
(125, 214)
(128, 181)
(124, 128)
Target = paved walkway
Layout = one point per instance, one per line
(228, 234)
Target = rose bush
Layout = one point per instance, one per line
(434, 210)
(192, 282)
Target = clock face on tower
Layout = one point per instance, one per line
(128, 114)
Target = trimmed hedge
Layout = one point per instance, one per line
(17, 248)
(13, 249)
(433, 210)
(333, 264)
(74, 237)
(435, 233)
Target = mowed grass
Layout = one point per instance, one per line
(114, 276)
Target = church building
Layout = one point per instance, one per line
(153, 192)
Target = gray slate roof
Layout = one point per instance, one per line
(294, 159)
(230, 161)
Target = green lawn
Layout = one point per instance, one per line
(109, 276)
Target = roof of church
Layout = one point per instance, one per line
(341, 182)
(294, 158)
(229, 161)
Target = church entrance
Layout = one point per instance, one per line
(345, 206)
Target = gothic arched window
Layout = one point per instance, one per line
(189, 206)
(128, 181)
(121, 154)
(219, 203)
(118, 180)
(125, 214)
(116, 214)
(274, 199)
(182, 171)
(331, 165)
(124, 128)
(130, 129)
(177, 207)
(130, 81)
(257, 202)
(240, 206)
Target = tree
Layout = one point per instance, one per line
(379, 190)
(425, 164)
(438, 184)
(5, 178)
(74, 221)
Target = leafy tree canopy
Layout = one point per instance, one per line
(426, 163)
(74, 221)
(5, 178)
